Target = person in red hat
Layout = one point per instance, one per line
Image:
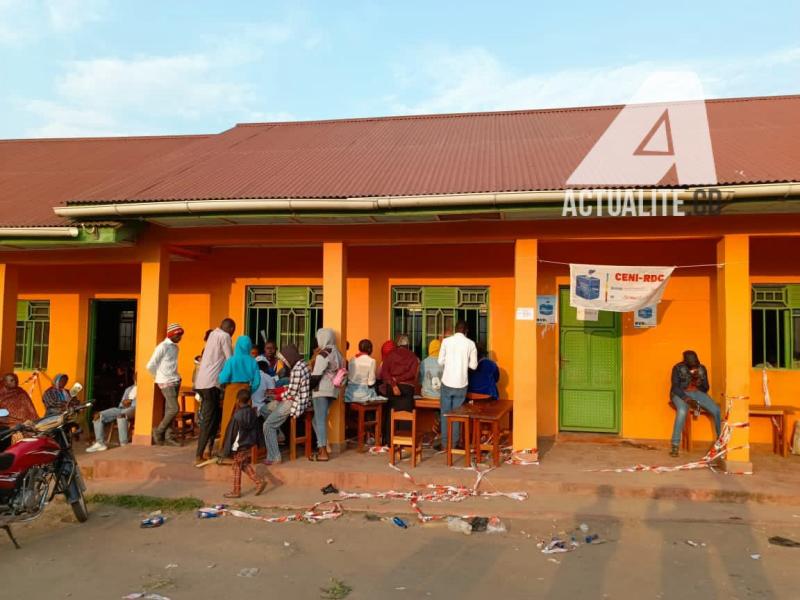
(163, 366)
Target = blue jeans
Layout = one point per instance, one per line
(109, 415)
(451, 398)
(275, 414)
(320, 421)
(705, 402)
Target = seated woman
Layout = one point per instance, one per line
(56, 398)
(361, 375)
(18, 404)
(483, 380)
(430, 372)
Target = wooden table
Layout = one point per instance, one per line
(777, 414)
(489, 413)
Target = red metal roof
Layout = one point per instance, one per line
(755, 140)
(36, 175)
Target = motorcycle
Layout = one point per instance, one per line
(39, 466)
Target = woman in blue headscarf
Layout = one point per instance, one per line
(56, 398)
(239, 371)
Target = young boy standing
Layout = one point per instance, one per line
(243, 433)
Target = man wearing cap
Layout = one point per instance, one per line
(163, 366)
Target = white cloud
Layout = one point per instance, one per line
(160, 94)
(473, 79)
(23, 21)
(69, 15)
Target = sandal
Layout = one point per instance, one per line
(260, 488)
(231, 495)
(322, 455)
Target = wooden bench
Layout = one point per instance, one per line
(777, 415)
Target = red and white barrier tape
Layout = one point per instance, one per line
(321, 511)
(524, 457)
(433, 492)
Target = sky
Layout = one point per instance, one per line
(119, 67)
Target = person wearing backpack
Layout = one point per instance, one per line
(328, 374)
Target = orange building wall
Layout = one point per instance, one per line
(205, 290)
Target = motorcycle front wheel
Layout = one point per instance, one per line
(78, 503)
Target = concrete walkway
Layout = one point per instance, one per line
(566, 471)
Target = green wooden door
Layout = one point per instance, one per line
(590, 370)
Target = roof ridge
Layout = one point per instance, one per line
(109, 138)
(519, 111)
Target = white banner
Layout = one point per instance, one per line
(616, 288)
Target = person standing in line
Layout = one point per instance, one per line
(327, 363)
(216, 352)
(457, 356)
(239, 371)
(163, 366)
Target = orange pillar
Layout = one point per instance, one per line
(151, 328)
(8, 315)
(734, 341)
(334, 316)
(523, 387)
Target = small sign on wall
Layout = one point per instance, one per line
(547, 313)
(525, 313)
(645, 317)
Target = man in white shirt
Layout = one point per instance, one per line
(163, 366)
(121, 414)
(457, 355)
(206, 383)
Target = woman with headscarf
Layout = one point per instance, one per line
(56, 398)
(430, 372)
(294, 401)
(400, 372)
(18, 404)
(386, 350)
(240, 371)
(326, 366)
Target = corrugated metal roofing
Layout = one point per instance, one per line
(755, 140)
(36, 175)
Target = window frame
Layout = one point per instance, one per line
(782, 301)
(35, 327)
(284, 304)
(414, 306)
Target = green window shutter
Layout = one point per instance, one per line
(440, 297)
(292, 297)
(22, 310)
(793, 295)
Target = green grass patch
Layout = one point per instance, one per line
(147, 503)
(338, 590)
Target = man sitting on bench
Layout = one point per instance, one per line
(120, 414)
(690, 390)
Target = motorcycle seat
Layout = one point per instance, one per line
(6, 460)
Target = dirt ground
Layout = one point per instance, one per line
(188, 558)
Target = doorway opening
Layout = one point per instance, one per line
(111, 351)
